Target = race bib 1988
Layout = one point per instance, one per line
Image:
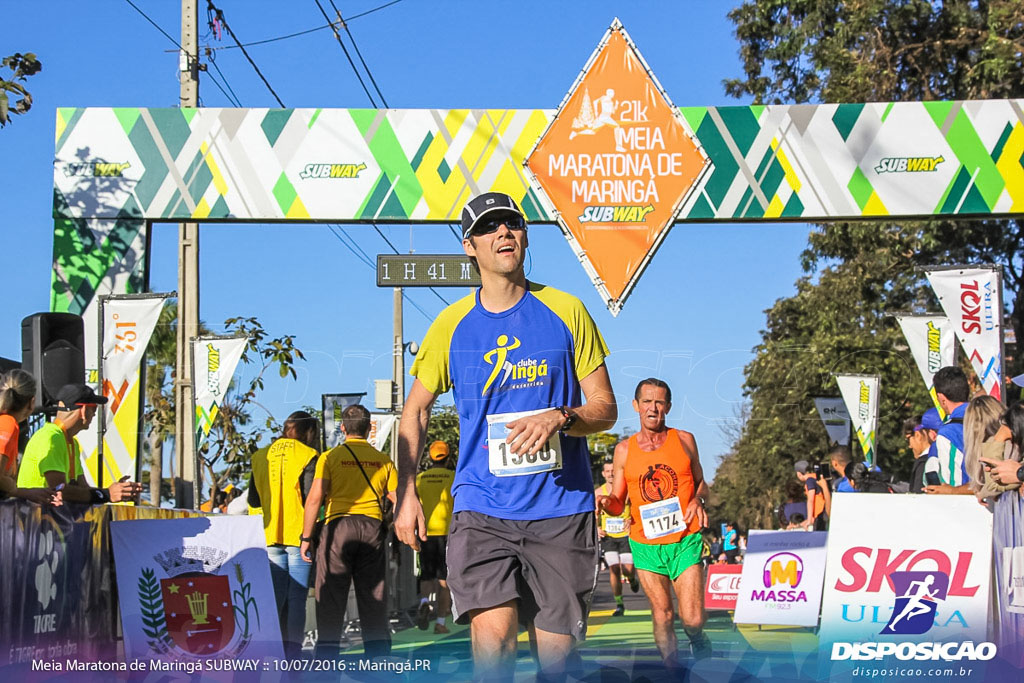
(503, 463)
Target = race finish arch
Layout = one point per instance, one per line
(614, 166)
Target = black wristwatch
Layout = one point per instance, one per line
(570, 419)
(305, 539)
(1020, 473)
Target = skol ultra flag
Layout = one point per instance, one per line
(931, 342)
(860, 393)
(213, 363)
(972, 299)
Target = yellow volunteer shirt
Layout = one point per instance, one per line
(276, 470)
(609, 522)
(347, 491)
(434, 487)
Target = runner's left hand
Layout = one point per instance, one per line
(528, 435)
(695, 508)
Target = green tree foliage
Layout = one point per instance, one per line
(858, 274)
(22, 66)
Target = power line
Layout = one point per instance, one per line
(305, 32)
(359, 54)
(335, 229)
(157, 26)
(275, 39)
(337, 36)
(221, 88)
(220, 17)
(375, 9)
(210, 57)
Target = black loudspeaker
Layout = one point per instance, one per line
(53, 350)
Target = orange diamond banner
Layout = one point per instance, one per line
(616, 162)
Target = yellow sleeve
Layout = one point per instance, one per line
(321, 468)
(431, 364)
(589, 348)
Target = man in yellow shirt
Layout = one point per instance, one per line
(52, 456)
(613, 533)
(275, 488)
(434, 488)
(353, 480)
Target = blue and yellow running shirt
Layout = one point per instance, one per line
(530, 357)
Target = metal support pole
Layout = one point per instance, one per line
(187, 487)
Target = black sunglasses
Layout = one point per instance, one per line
(491, 225)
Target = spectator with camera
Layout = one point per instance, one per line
(840, 459)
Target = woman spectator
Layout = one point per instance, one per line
(1001, 456)
(276, 487)
(982, 421)
(17, 401)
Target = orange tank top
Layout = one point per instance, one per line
(655, 475)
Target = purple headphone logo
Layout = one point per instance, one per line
(783, 568)
(916, 595)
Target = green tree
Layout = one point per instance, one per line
(857, 274)
(22, 66)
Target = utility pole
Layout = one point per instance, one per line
(397, 370)
(186, 487)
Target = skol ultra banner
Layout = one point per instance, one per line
(617, 162)
(381, 426)
(972, 299)
(782, 578)
(195, 592)
(127, 323)
(332, 406)
(835, 417)
(903, 592)
(931, 342)
(860, 393)
(213, 364)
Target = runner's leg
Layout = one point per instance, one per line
(493, 633)
(659, 592)
(689, 588)
(551, 650)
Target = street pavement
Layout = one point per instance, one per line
(617, 650)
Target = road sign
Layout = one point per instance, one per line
(426, 270)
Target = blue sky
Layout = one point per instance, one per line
(691, 320)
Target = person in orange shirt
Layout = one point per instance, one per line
(660, 468)
(17, 401)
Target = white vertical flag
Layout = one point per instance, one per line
(835, 417)
(128, 323)
(381, 425)
(972, 299)
(932, 345)
(213, 364)
(860, 393)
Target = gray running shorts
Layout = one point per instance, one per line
(548, 565)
